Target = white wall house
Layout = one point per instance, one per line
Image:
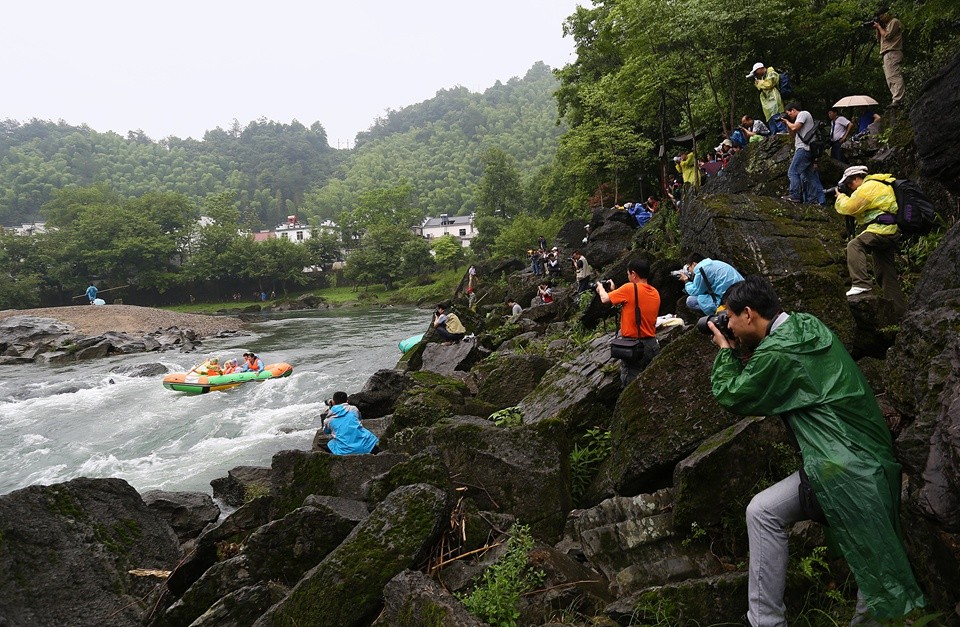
(32, 228)
(297, 232)
(460, 227)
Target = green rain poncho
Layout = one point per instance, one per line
(802, 372)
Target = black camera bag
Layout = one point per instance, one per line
(629, 348)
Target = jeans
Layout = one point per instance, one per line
(805, 185)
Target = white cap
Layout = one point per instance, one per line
(756, 66)
(852, 171)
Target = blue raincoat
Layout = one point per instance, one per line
(349, 436)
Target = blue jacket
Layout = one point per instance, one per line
(92, 292)
(720, 275)
(349, 436)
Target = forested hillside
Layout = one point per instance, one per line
(647, 70)
(437, 146)
(278, 169)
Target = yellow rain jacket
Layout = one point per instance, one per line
(769, 87)
(690, 170)
(871, 199)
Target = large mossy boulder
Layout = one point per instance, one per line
(346, 588)
(509, 378)
(66, 552)
(431, 398)
(523, 471)
(761, 235)
(241, 485)
(661, 418)
(577, 392)
(714, 484)
(411, 599)
(299, 474)
(445, 359)
(923, 383)
(936, 132)
(188, 513)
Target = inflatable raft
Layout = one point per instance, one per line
(193, 383)
(410, 342)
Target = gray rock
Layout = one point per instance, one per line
(716, 481)
(716, 600)
(346, 587)
(512, 378)
(298, 474)
(521, 471)
(241, 607)
(67, 549)
(631, 540)
(241, 485)
(187, 512)
(567, 583)
(445, 359)
(575, 389)
(380, 393)
(937, 143)
(140, 370)
(411, 599)
(348, 509)
(26, 330)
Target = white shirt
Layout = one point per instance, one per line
(838, 128)
(807, 125)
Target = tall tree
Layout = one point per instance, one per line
(499, 192)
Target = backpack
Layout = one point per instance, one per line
(454, 325)
(786, 87)
(915, 213)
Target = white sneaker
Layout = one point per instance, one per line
(853, 291)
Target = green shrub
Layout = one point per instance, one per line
(508, 417)
(496, 598)
(585, 458)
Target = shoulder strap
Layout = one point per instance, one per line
(813, 132)
(636, 307)
(703, 275)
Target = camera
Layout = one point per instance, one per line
(329, 402)
(869, 23)
(679, 273)
(720, 320)
(593, 286)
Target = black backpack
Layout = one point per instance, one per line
(915, 213)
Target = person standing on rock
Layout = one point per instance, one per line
(582, 271)
(792, 365)
(767, 82)
(92, 293)
(890, 35)
(873, 205)
(635, 293)
(805, 185)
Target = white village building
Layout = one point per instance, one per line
(460, 227)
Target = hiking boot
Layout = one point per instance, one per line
(853, 291)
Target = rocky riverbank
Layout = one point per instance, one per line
(66, 334)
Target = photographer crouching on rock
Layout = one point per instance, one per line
(792, 365)
(638, 319)
(342, 421)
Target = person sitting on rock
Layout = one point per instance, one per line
(252, 363)
(448, 326)
(544, 293)
(350, 437)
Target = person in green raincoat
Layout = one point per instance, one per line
(792, 365)
(767, 82)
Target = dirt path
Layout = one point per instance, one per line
(93, 320)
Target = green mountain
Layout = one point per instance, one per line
(278, 169)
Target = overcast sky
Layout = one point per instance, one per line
(181, 68)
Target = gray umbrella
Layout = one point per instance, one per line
(855, 101)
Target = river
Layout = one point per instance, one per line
(59, 423)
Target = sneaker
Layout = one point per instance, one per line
(853, 291)
(789, 199)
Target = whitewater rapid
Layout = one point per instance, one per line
(82, 420)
